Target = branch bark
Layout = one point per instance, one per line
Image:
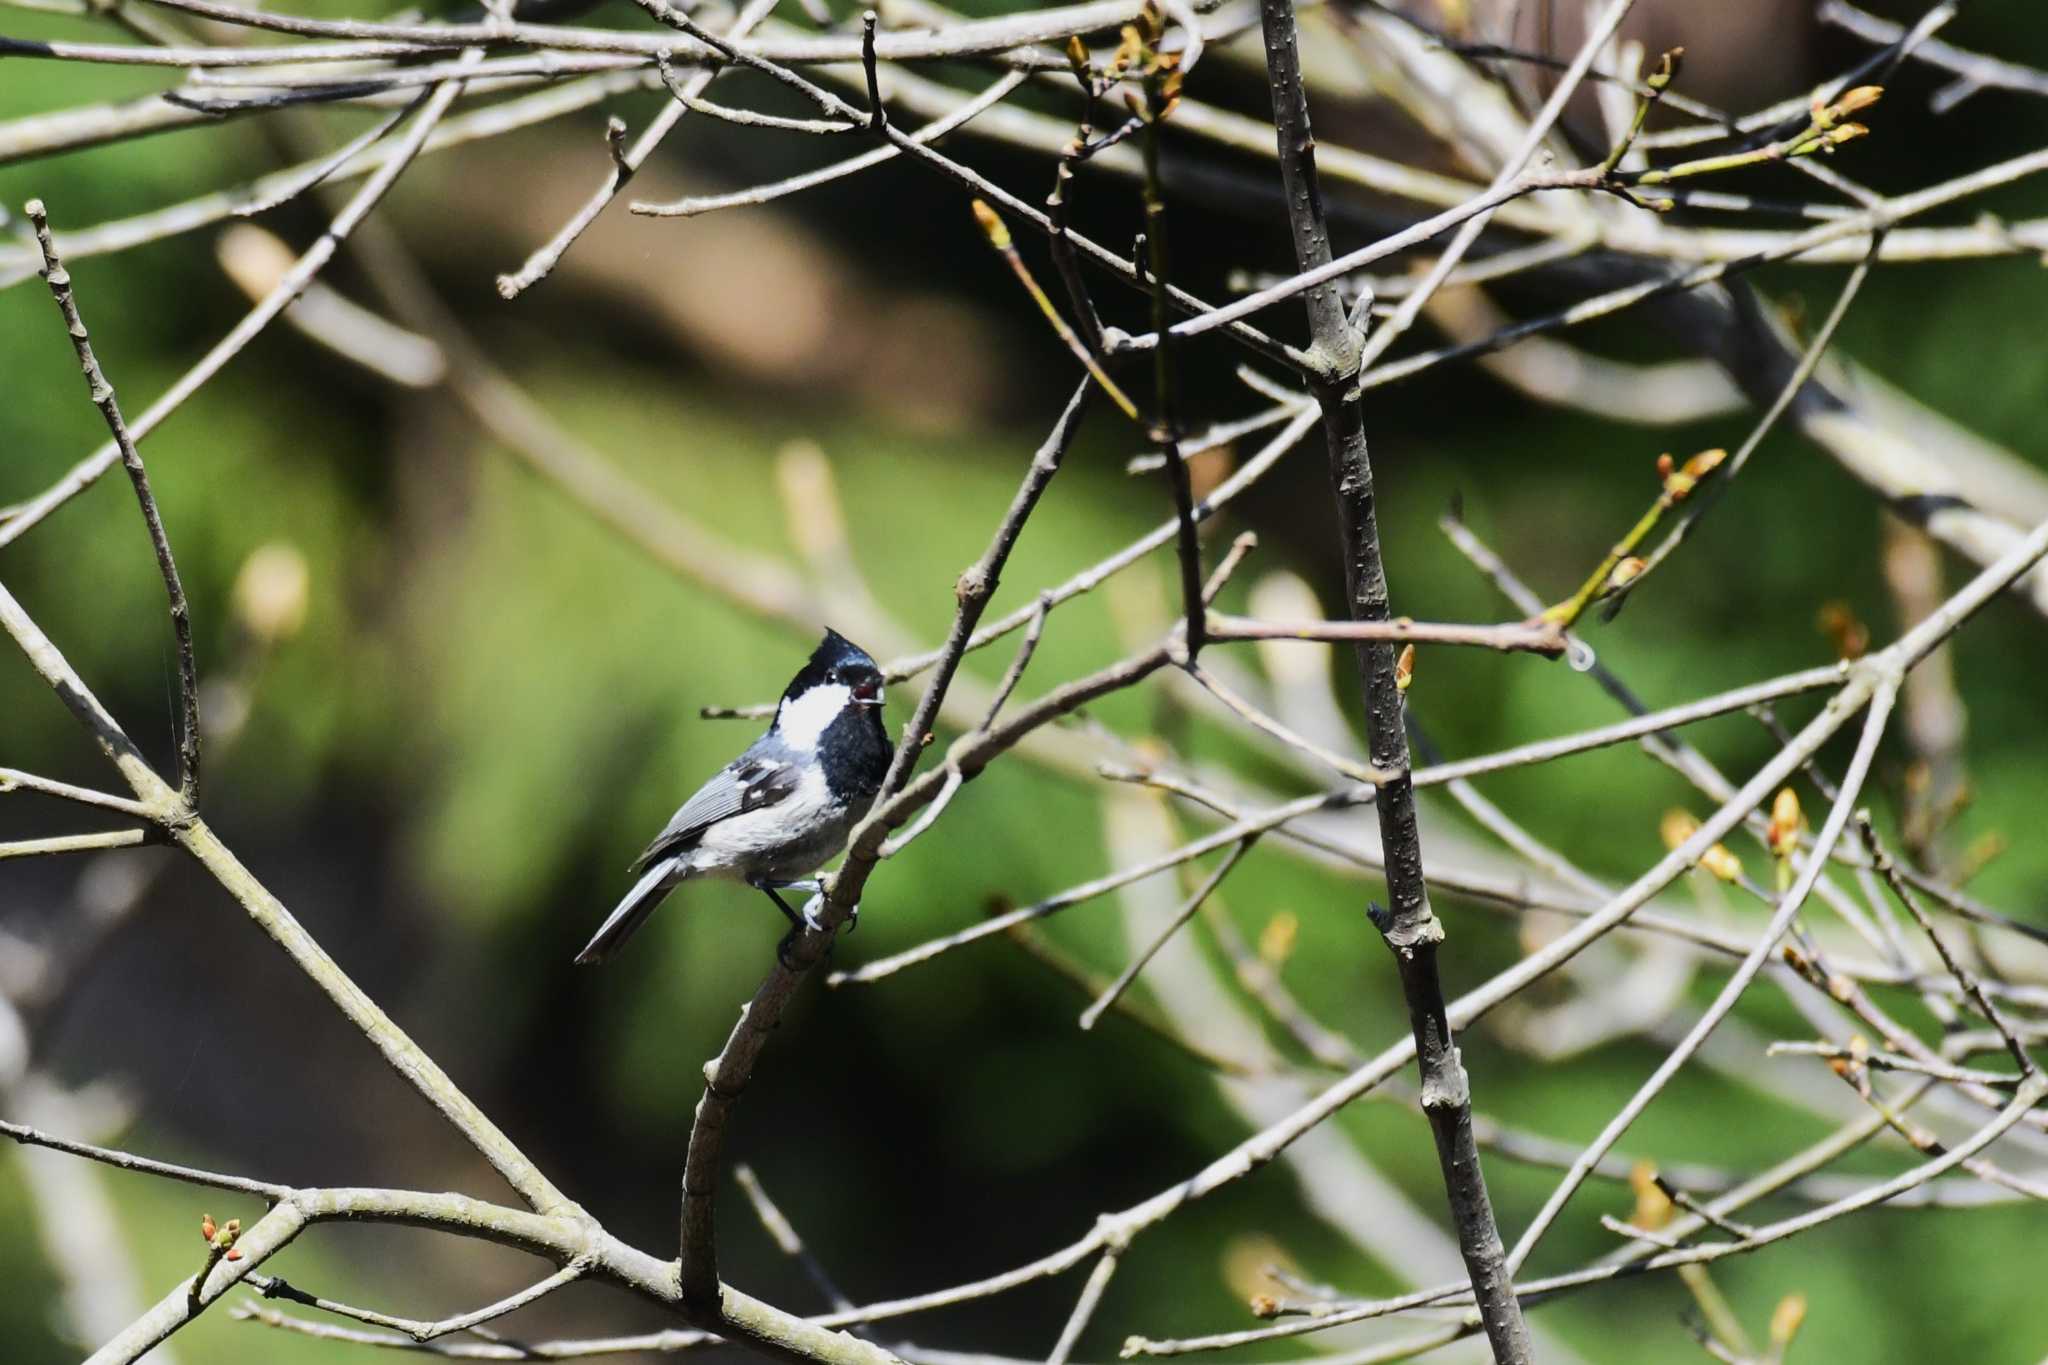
(1411, 929)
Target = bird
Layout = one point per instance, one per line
(784, 807)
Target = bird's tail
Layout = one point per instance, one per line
(631, 913)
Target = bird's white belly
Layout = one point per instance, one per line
(783, 842)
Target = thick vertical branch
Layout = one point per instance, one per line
(1410, 928)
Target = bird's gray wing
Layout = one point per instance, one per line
(749, 782)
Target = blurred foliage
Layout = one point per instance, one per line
(494, 702)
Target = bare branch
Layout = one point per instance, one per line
(103, 398)
(73, 843)
(1411, 929)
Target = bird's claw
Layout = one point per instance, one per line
(814, 914)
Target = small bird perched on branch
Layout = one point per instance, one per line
(782, 809)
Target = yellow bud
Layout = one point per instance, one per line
(1626, 572)
(270, 593)
(1277, 939)
(1667, 69)
(1653, 1206)
(1679, 825)
(1862, 97)
(1404, 668)
(1723, 864)
(1679, 483)
(1077, 52)
(1706, 462)
(992, 226)
(1787, 1318)
(1248, 1260)
(1782, 836)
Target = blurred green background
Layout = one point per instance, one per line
(493, 702)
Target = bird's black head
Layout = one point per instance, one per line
(839, 662)
(833, 709)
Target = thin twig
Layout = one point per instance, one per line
(1533, 637)
(780, 1229)
(624, 165)
(103, 398)
(13, 779)
(73, 843)
(1964, 977)
(1084, 1307)
(1180, 917)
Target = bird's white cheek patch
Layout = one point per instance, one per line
(801, 721)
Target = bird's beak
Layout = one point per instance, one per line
(868, 693)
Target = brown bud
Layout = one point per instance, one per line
(1665, 464)
(1404, 668)
(206, 1226)
(1839, 623)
